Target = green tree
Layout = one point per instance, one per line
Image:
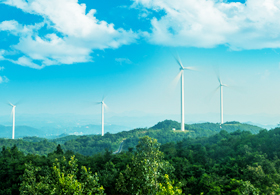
(62, 179)
(241, 187)
(168, 188)
(58, 150)
(146, 171)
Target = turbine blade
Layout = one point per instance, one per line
(219, 79)
(178, 60)
(18, 102)
(175, 81)
(177, 78)
(103, 97)
(172, 85)
(10, 104)
(105, 106)
(191, 68)
(209, 97)
(216, 89)
(217, 72)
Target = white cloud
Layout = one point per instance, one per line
(25, 61)
(123, 60)
(2, 68)
(53, 50)
(11, 25)
(208, 23)
(1, 54)
(3, 79)
(79, 33)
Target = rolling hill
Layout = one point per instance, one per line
(92, 144)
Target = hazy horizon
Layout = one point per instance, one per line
(133, 119)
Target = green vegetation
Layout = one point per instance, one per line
(58, 173)
(61, 179)
(30, 147)
(148, 172)
(93, 144)
(238, 162)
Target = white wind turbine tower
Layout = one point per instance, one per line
(14, 118)
(103, 105)
(181, 73)
(221, 99)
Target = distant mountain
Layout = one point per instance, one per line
(55, 132)
(20, 131)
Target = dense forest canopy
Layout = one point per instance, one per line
(93, 144)
(237, 162)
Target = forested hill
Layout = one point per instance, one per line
(92, 144)
(215, 164)
(216, 127)
(224, 163)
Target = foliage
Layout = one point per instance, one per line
(62, 179)
(168, 188)
(93, 144)
(146, 171)
(222, 162)
(42, 147)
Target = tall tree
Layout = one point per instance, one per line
(147, 170)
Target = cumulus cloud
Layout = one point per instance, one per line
(15, 28)
(75, 33)
(208, 23)
(11, 25)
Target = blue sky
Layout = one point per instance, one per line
(61, 56)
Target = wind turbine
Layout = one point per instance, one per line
(221, 85)
(14, 118)
(181, 73)
(103, 105)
